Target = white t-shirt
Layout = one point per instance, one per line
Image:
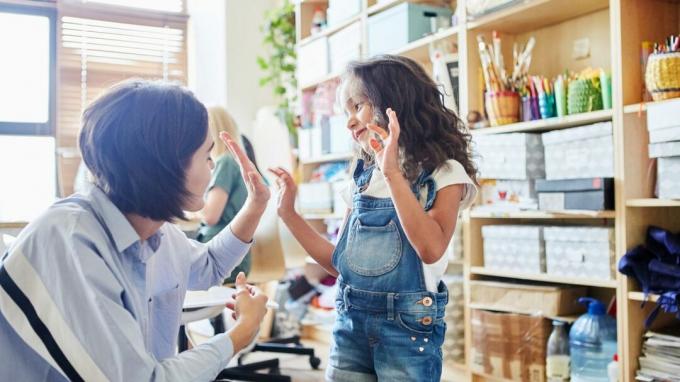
(452, 172)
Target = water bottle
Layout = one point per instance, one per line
(557, 360)
(592, 343)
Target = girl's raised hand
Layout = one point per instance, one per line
(387, 152)
(287, 191)
(258, 192)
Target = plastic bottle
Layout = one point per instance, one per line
(318, 21)
(557, 360)
(592, 343)
(613, 369)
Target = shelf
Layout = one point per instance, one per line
(568, 319)
(530, 15)
(322, 216)
(419, 50)
(639, 296)
(641, 107)
(329, 31)
(481, 271)
(548, 124)
(652, 202)
(385, 5)
(13, 225)
(490, 377)
(312, 84)
(574, 214)
(328, 158)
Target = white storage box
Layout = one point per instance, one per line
(579, 152)
(343, 47)
(668, 177)
(315, 198)
(316, 141)
(305, 144)
(665, 135)
(516, 248)
(340, 136)
(392, 29)
(664, 149)
(341, 10)
(508, 195)
(582, 252)
(516, 156)
(663, 115)
(313, 61)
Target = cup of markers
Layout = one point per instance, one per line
(663, 70)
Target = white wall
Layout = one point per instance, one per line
(225, 40)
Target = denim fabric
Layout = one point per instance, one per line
(389, 327)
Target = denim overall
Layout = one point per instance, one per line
(389, 327)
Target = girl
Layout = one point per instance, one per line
(412, 176)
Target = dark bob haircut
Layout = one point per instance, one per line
(137, 140)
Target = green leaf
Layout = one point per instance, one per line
(280, 90)
(262, 63)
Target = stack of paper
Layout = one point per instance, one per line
(660, 359)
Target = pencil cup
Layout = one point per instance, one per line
(546, 104)
(502, 107)
(526, 109)
(663, 75)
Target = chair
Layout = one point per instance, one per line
(268, 264)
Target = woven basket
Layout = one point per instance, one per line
(502, 107)
(663, 75)
(583, 96)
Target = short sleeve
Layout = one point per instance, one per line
(452, 172)
(226, 174)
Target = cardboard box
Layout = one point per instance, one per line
(508, 345)
(579, 152)
(516, 156)
(527, 298)
(575, 194)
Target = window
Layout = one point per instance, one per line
(106, 41)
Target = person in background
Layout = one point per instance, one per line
(93, 289)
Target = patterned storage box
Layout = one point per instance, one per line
(453, 348)
(517, 248)
(313, 57)
(668, 177)
(665, 149)
(583, 252)
(343, 47)
(579, 152)
(515, 156)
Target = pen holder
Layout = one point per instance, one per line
(502, 107)
(560, 99)
(663, 75)
(527, 114)
(546, 105)
(583, 96)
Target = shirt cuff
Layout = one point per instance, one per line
(239, 241)
(222, 344)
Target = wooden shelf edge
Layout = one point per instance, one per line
(568, 319)
(13, 225)
(641, 107)
(329, 31)
(319, 81)
(377, 8)
(548, 124)
(425, 41)
(574, 214)
(652, 202)
(640, 296)
(481, 271)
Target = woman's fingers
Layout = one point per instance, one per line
(237, 152)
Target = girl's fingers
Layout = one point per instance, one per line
(394, 122)
(382, 133)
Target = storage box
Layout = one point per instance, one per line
(305, 143)
(344, 46)
(668, 177)
(664, 149)
(526, 298)
(315, 198)
(662, 115)
(339, 205)
(516, 248)
(668, 134)
(508, 345)
(576, 194)
(508, 195)
(582, 252)
(392, 29)
(316, 140)
(313, 61)
(341, 10)
(516, 156)
(579, 152)
(340, 138)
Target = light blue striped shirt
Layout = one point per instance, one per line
(82, 297)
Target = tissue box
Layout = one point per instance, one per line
(514, 156)
(341, 10)
(313, 57)
(527, 298)
(497, 338)
(392, 29)
(668, 177)
(575, 194)
(344, 46)
(583, 252)
(663, 115)
(315, 198)
(516, 248)
(579, 152)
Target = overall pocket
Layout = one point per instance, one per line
(373, 251)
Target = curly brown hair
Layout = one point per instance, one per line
(431, 134)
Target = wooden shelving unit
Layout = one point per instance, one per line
(615, 30)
